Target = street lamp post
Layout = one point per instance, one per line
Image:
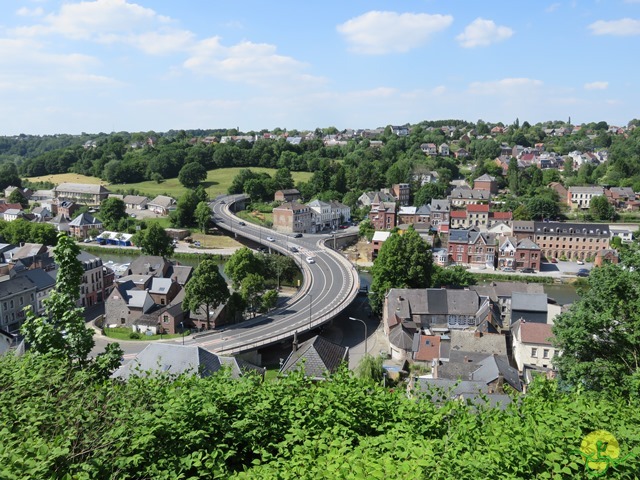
(365, 331)
(160, 329)
(182, 330)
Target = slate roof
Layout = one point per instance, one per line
(572, 229)
(181, 273)
(402, 338)
(179, 359)
(15, 286)
(84, 219)
(41, 279)
(162, 201)
(137, 298)
(81, 188)
(530, 302)
(467, 344)
(439, 205)
(135, 199)
(29, 250)
(403, 303)
(495, 365)
(316, 357)
(494, 290)
(526, 244)
(485, 178)
(160, 285)
(148, 265)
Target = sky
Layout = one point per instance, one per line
(139, 65)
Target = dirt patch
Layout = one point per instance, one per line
(360, 253)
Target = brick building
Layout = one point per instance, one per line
(292, 217)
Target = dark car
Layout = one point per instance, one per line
(242, 224)
(527, 270)
(293, 249)
(583, 272)
(297, 235)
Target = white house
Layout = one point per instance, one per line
(532, 345)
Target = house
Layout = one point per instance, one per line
(92, 285)
(287, 195)
(60, 222)
(400, 131)
(44, 283)
(127, 303)
(462, 196)
(494, 371)
(378, 239)
(486, 182)
(440, 211)
(407, 312)
(401, 192)
(561, 191)
(7, 341)
(293, 217)
(407, 215)
(26, 192)
(423, 176)
(470, 247)
(161, 204)
(619, 197)
(606, 255)
(517, 254)
(317, 358)
(532, 345)
(382, 214)
(441, 390)
(367, 198)
(12, 214)
(624, 233)
(163, 290)
(340, 211)
(461, 153)
(42, 214)
(499, 218)
(580, 197)
(573, 241)
(149, 265)
(115, 238)
(429, 148)
(81, 193)
(500, 294)
(80, 226)
(444, 150)
(531, 307)
(32, 255)
(66, 208)
(135, 202)
(163, 358)
(499, 228)
(323, 216)
(15, 295)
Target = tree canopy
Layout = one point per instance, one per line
(112, 210)
(154, 240)
(206, 290)
(192, 174)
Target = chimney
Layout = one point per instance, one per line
(477, 334)
(466, 359)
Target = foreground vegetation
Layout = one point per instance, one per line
(64, 423)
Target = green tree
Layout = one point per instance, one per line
(404, 261)
(598, 336)
(18, 197)
(513, 176)
(112, 210)
(203, 216)
(452, 277)
(206, 290)
(371, 368)
(183, 215)
(601, 209)
(242, 263)
(428, 192)
(192, 174)
(61, 332)
(542, 207)
(366, 230)
(269, 300)
(251, 288)
(154, 241)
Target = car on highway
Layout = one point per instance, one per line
(310, 260)
(583, 272)
(242, 224)
(580, 262)
(297, 235)
(293, 249)
(527, 270)
(271, 239)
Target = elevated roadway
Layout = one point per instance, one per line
(329, 285)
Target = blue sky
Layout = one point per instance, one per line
(110, 65)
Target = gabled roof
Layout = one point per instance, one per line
(84, 219)
(534, 332)
(81, 188)
(135, 199)
(316, 357)
(160, 286)
(526, 244)
(162, 201)
(485, 178)
(494, 366)
(478, 208)
(530, 302)
(179, 359)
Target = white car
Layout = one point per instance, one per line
(580, 262)
(310, 260)
(271, 239)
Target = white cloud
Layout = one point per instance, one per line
(596, 86)
(378, 33)
(622, 28)
(247, 62)
(481, 33)
(553, 7)
(506, 86)
(30, 12)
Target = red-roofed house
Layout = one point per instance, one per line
(532, 344)
(428, 348)
(500, 217)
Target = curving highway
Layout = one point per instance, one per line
(330, 284)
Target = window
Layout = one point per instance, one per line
(545, 353)
(165, 318)
(21, 301)
(534, 352)
(11, 303)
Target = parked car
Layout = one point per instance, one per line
(554, 260)
(271, 239)
(527, 270)
(87, 240)
(583, 272)
(310, 260)
(297, 235)
(343, 227)
(580, 262)
(507, 269)
(261, 249)
(197, 244)
(242, 224)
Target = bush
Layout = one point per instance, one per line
(135, 336)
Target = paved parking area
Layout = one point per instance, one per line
(556, 270)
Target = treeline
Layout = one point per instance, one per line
(62, 422)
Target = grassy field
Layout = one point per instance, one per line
(122, 333)
(264, 219)
(67, 178)
(217, 182)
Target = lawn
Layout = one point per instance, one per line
(67, 178)
(259, 218)
(218, 182)
(214, 241)
(122, 333)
